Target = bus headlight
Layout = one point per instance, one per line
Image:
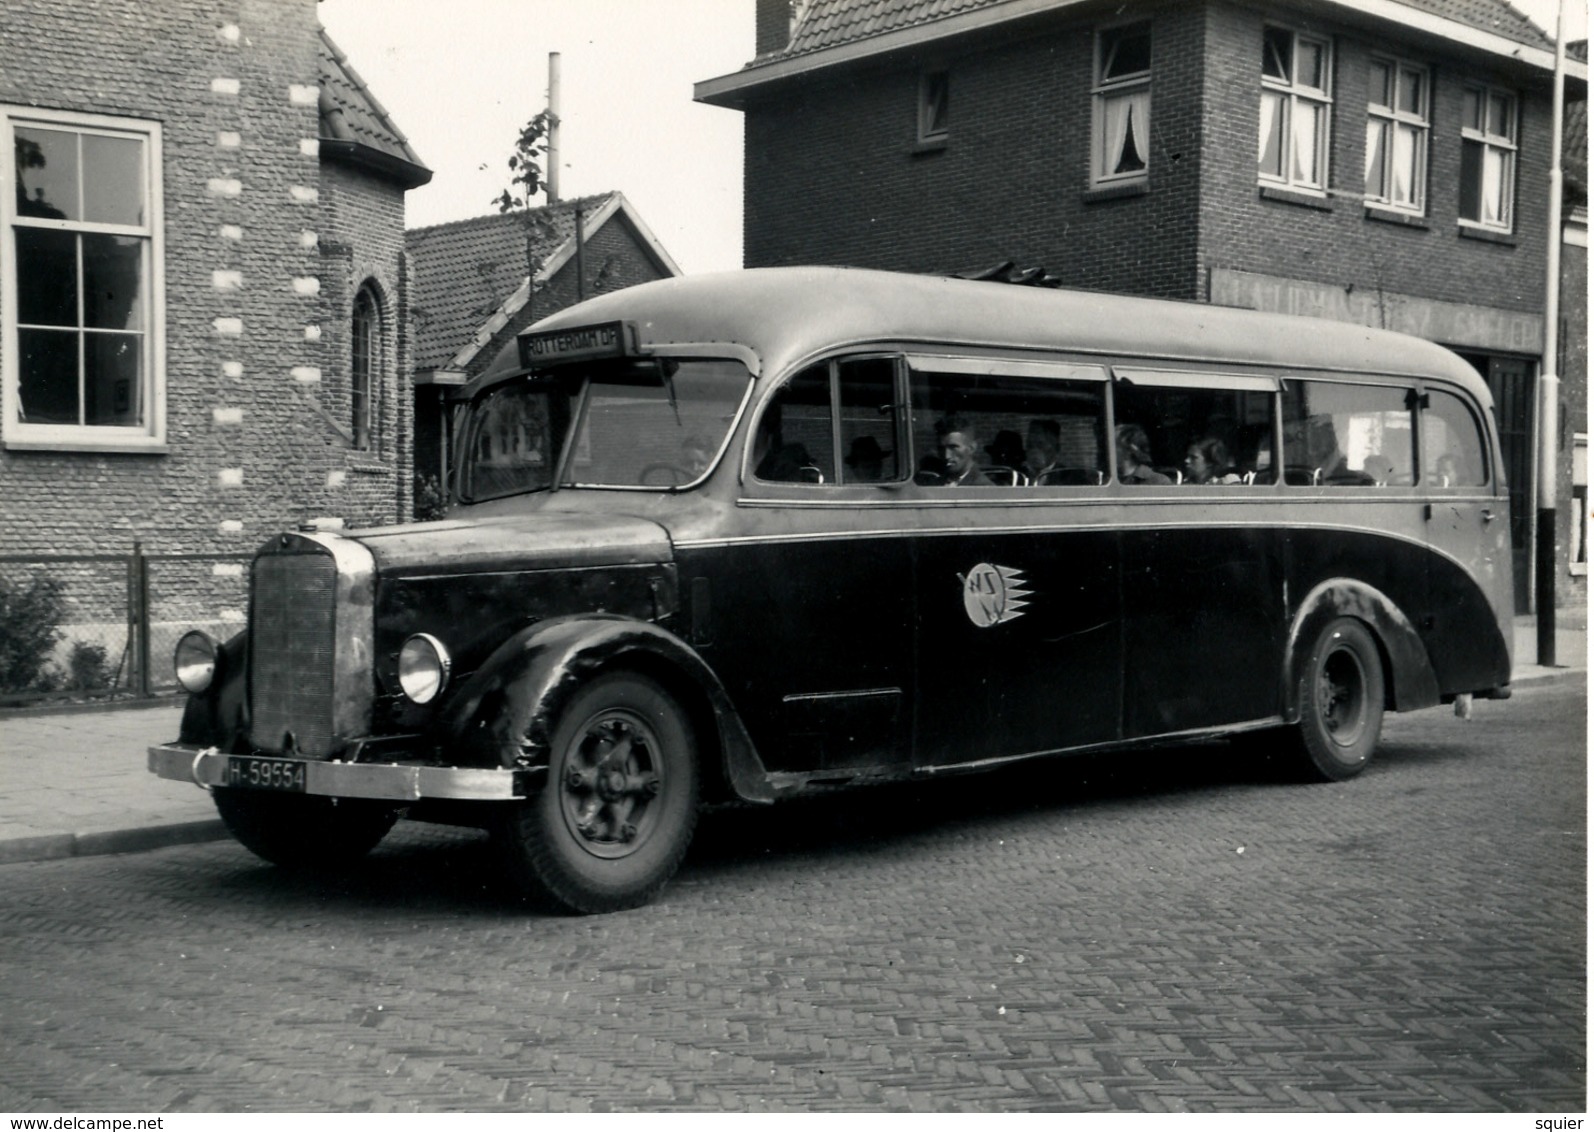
(423, 668)
(195, 661)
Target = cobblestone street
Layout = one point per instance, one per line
(1144, 932)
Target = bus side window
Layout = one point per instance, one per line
(867, 404)
(1452, 444)
(794, 440)
(1025, 431)
(1337, 434)
(1220, 436)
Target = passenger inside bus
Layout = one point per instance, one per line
(958, 444)
(1007, 458)
(865, 460)
(1134, 457)
(1042, 442)
(1207, 462)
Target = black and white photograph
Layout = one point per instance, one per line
(628, 559)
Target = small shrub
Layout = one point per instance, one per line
(29, 616)
(430, 502)
(88, 668)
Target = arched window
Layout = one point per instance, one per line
(365, 368)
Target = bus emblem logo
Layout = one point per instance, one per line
(994, 594)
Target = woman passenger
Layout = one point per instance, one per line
(1207, 461)
(1134, 457)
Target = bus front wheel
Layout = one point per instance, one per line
(617, 814)
(1341, 702)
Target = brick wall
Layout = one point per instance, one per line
(1335, 241)
(833, 173)
(361, 243)
(254, 300)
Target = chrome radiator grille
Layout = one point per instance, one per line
(292, 645)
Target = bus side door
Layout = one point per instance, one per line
(1469, 579)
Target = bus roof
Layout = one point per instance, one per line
(786, 315)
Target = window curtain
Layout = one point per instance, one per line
(1304, 119)
(1270, 135)
(1376, 132)
(1123, 127)
(1494, 179)
(1404, 190)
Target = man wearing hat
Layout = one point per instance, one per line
(866, 459)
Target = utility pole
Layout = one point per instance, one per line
(1549, 383)
(552, 177)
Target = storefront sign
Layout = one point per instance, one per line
(1451, 324)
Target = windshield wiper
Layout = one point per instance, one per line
(667, 376)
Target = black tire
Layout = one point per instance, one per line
(304, 831)
(616, 817)
(1341, 698)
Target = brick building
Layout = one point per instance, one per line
(1373, 161)
(201, 289)
(472, 296)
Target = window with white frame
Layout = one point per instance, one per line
(1292, 137)
(365, 367)
(1121, 117)
(1488, 157)
(934, 87)
(1397, 135)
(82, 351)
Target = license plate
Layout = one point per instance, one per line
(265, 774)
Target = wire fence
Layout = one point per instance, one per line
(104, 626)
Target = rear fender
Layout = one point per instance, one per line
(1409, 677)
(506, 712)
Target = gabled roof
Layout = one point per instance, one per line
(469, 276)
(829, 32)
(356, 129)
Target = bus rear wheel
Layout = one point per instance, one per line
(1341, 702)
(614, 821)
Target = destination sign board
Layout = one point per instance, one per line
(578, 343)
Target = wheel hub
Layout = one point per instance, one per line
(611, 778)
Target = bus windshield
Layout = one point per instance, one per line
(655, 424)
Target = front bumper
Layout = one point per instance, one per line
(394, 782)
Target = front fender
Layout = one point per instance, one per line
(505, 713)
(1412, 683)
(219, 715)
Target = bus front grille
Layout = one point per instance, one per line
(292, 670)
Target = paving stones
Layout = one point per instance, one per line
(1076, 937)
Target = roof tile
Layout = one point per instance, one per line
(831, 23)
(350, 112)
(464, 270)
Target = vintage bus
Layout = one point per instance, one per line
(732, 537)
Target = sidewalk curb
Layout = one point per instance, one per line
(138, 839)
(1548, 675)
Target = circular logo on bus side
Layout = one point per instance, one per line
(994, 594)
